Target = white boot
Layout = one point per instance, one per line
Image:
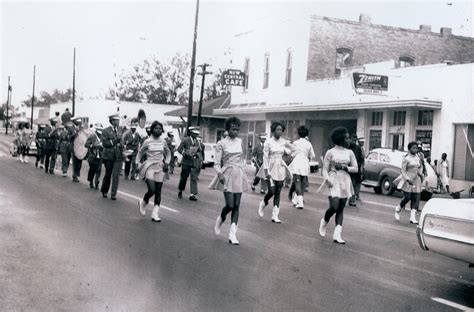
(413, 216)
(299, 202)
(142, 206)
(25, 159)
(294, 200)
(232, 234)
(275, 213)
(21, 158)
(261, 206)
(322, 227)
(154, 215)
(217, 227)
(337, 235)
(398, 209)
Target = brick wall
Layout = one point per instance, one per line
(374, 43)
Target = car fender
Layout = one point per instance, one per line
(391, 172)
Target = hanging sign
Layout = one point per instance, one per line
(368, 83)
(233, 77)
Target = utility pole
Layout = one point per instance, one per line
(193, 63)
(9, 89)
(203, 73)
(33, 97)
(74, 83)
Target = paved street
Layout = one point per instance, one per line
(65, 248)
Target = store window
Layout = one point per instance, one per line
(266, 70)
(289, 65)
(377, 118)
(406, 61)
(399, 118)
(425, 118)
(463, 156)
(375, 139)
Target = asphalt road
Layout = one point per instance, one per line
(65, 248)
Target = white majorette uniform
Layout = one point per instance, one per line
(273, 151)
(230, 161)
(302, 153)
(340, 179)
(157, 153)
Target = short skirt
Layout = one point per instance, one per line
(235, 180)
(152, 170)
(341, 185)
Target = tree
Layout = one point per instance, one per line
(47, 99)
(216, 88)
(155, 82)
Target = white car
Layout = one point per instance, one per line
(446, 227)
(209, 155)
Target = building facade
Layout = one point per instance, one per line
(307, 79)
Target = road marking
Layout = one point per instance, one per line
(452, 304)
(379, 204)
(138, 198)
(394, 227)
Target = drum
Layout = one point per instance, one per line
(80, 151)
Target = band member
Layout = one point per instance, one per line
(300, 168)
(274, 169)
(410, 181)
(66, 116)
(40, 145)
(112, 156)
(51, 136)
(131, 141)
(257, 159)
(65, 133)
(356, 177)
(26, 136)
(338, 162)
(153, 169)
(172, 147)
(76, 162)
(94, 157)
(192, 150)
(231, 177)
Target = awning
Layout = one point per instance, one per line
(207, 108)
(262, 107)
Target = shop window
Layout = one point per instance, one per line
(406, 61)
(246, 71)
(399, 118)
(424, 136)
(375, 139)
(266, 70)
(425, 118)
(463, 156)
(289, 65)
(377, 118)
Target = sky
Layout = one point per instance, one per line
(112, 36)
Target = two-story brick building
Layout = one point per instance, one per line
(299, 71)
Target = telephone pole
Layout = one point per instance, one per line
(203, 74)
(9, 89)
(74, 83)
(193, 63)
(33, 97)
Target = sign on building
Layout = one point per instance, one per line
(233, 77)
(369, 83)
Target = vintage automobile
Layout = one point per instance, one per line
(383, 165)
(209, 154)
(446, 227)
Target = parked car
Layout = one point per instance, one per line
(177, 159)
(383, 165)
(209, 154)
(446, 227)
(33, 150)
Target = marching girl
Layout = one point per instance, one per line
(231, 177)
(300, 168)
(338, 162)
(410, 182)
(153, 168)
(274, 169)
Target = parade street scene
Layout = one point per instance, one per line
(237, 156)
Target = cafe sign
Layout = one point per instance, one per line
(233, 77)
(369, 83)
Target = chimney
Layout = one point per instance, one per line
(365, 19)
(425, 28)
(445, 31)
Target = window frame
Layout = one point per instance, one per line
(266, 70)
(246, 71)
(289, 67)
(406, 59)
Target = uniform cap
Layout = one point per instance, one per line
(76, 119)
(114, 116)
(262, 135)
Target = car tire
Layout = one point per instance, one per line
(386, 186)
(425, 195)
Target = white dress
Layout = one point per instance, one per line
(230, 161)
(301, 155)
(273, 151)
(157, 153)
(340, 179)
(443, 172)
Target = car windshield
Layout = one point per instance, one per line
(208, 147)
